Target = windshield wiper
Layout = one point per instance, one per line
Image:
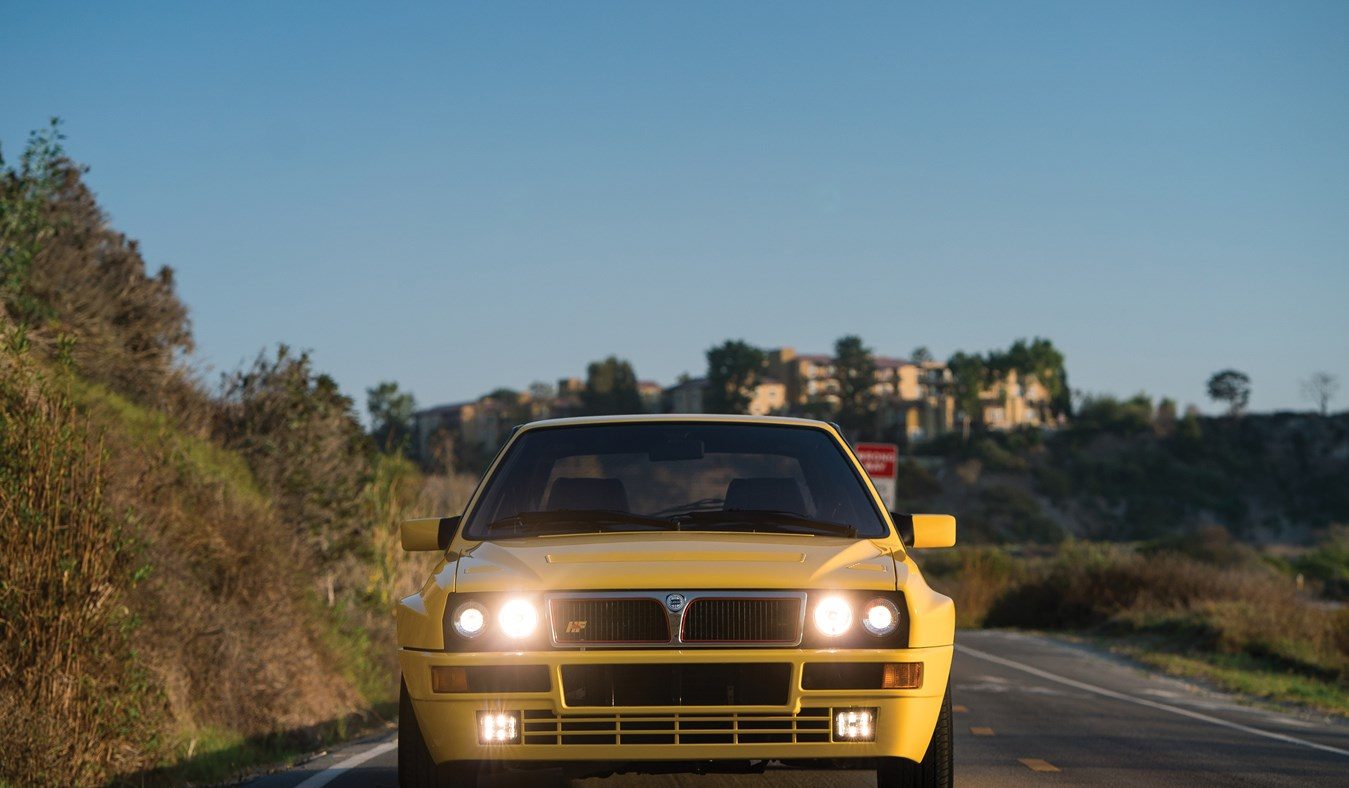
(756, 519)
(564, 520)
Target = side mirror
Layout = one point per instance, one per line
(926, 530)
(428, 533)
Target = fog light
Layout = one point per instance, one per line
(855, 725)
(902, 675)
(449, 679)
(498, 727)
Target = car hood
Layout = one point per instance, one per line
(682, 561)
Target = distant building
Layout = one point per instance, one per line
(916, 401)
(915, 398)
(651, 394)
(687, 396)
(1013, 403)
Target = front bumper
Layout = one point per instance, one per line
(904, 722)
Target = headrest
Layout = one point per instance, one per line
(766, 494)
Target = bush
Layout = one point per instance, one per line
(1249, 610)
(1328, 563)
(301, 438)
(1009, 514)
(66, 275)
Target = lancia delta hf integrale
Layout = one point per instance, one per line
(675, 593)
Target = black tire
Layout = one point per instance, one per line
(416, 767)
(937, 767)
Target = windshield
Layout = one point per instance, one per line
(675, 476)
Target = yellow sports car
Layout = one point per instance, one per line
(675, 593)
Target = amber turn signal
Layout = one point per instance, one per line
(449, 679)
(902, 675)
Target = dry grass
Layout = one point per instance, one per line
(74, 701)
(1242, 613)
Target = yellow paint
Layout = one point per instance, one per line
(934, 530)
(1037, 765)
(678, 561)
(420, 535)
(977, 731)
(960, 709)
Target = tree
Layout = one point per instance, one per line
(300, 436)
(1039, 359)
(734, 370)
(390, 416)
(67, 275)
(1231, 387)
(969, 377)
(921, 355)
(512, 407)
(611, 387)
(855, 374)
(1320, 389)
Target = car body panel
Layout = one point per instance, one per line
(677, 562)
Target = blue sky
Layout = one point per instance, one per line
(459, 197)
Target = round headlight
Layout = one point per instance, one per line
(880, 617)
(470, 620)
(833, 616)
(519, 618)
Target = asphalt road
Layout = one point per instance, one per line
(1029, 711)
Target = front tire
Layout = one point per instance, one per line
(938, 765)
(416, 767)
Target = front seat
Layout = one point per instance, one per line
(569, 493)
(769, 494)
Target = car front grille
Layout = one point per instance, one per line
(619, 620)
(543, 726)
(740, 620)
(678, 684)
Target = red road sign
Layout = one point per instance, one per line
(881, 461)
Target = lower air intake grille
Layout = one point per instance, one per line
(545, 727)
(683, 684)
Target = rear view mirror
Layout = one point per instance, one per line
(926, 530)
(428, 533)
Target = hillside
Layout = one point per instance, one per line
(196, 577)
(1276, 478)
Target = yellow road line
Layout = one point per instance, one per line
(977, 731)
(1037, 765)
(960, 709)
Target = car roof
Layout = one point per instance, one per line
(680, 418)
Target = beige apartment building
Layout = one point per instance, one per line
(689, 396)
(915, 397)
(916, 400)
(1013, 403)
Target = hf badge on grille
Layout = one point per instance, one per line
(675, 602)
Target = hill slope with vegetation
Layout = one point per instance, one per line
(1212, 547)
(196, 577)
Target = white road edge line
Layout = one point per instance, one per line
(1044, 674)
(333, 772)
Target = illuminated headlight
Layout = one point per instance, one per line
(880, 617)
(519, 618)
(470, 620)
(833, 616)
(498, 727)
(854, 725)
